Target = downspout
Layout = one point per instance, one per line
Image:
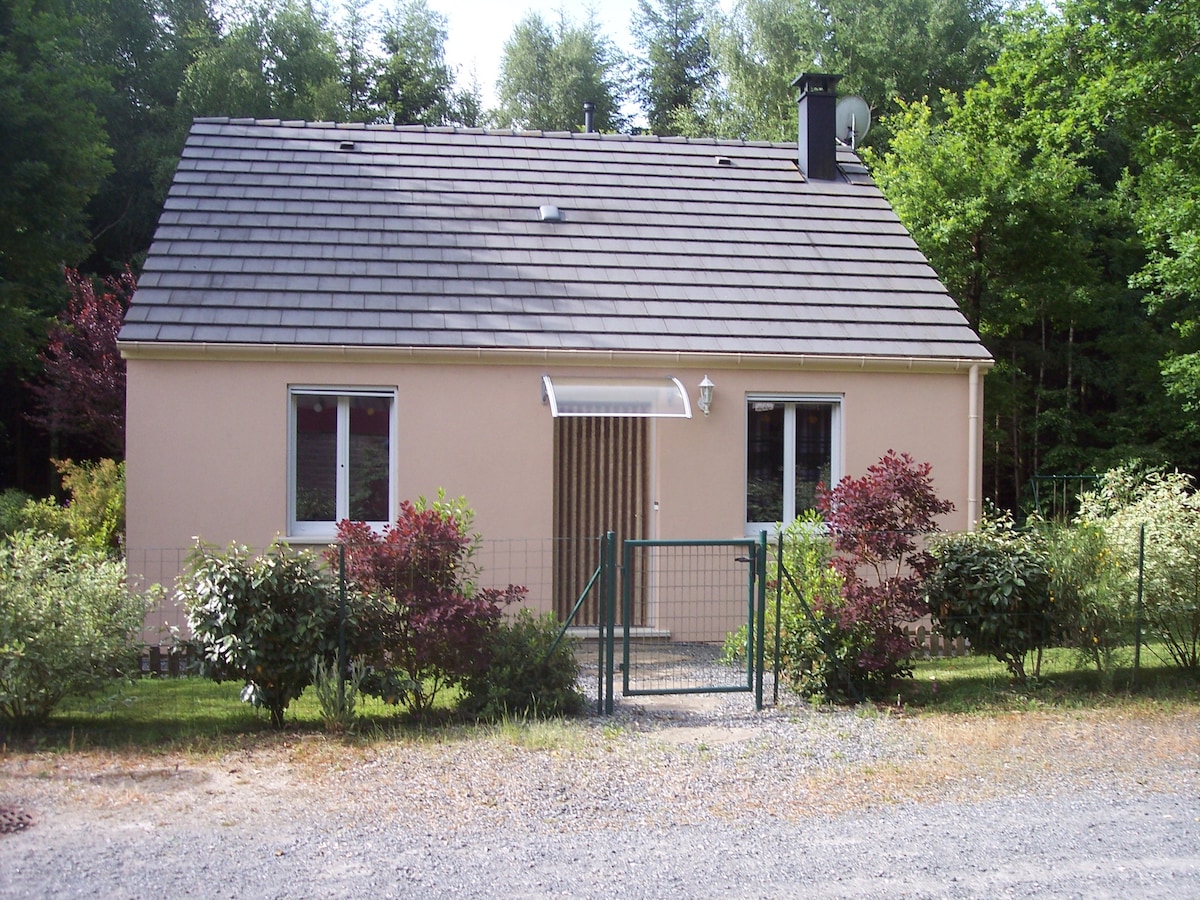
(974, 437)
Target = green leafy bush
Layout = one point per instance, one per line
(814, 650)
(992, 586)
(1093, 597)
(1167, 504)
(523, 676)
(337, 695)
(67, 623)
(811, 650)
(12, 501)
(94, 514)
(262, 619)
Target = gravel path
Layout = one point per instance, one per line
(699, 797)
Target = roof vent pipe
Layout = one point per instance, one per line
(818, 125)
(589, 116)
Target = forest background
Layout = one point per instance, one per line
(1046, 160)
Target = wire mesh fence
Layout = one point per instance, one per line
(684, 613)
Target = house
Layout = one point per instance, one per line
(333, 318)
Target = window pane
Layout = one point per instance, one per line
(814, 449)
(370, 426)
(316, 458)
(764, 463)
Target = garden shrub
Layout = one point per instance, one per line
(992, 587)
(876, 522)
(12, 501)
(523, 677)
(68, 624)
(337, 693)
(94, 513)
(1092, 597)
(420, 621)
(809, 593)
(1169, 507)
(262, 619)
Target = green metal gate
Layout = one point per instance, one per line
(698, 594)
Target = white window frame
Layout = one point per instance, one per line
(342, 395)
(790, 401)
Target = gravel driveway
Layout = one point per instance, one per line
(701, 797)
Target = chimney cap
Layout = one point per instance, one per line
(816, 83)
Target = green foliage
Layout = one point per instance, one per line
(523, 676)
(1092, 594)
(888, 51)
(96, 509)
(992, 586)
(262, 619)
(806, 579)
(814, 650)
(279, 59)
(1052, 198)
(53, 158)
(68, 624)
(94, 515)
(337, 695)
(12, 503)
(1167, 504)
(414, 85)
(548, 72)
(675, 72)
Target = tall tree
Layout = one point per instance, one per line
(359, 67)
(54, 156)
(141, 49)
(279, 59)
(674, 67)
(415, 86)
(1147, 55)
(1014, 196)
(548, 73)
(888, 51)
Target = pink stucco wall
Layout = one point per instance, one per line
(207, 442)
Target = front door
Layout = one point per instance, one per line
(601, 483)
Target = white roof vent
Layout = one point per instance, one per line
(550, 213)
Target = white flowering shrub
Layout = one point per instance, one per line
(1167, 504)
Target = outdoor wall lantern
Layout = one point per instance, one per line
(706, 395)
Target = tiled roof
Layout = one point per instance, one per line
(334, 235)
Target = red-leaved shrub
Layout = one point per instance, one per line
(418, 618)
(878, 524)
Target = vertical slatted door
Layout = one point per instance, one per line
(601, 483)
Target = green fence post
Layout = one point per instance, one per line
(341, 626)
(1137, 616)
(760, 572)
(778, 611)
(610, 604)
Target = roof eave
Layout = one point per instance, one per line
(166, 350)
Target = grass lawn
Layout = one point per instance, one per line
(981, 684)
(195, 715)
(191, 714)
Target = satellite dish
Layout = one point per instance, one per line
(853, 118)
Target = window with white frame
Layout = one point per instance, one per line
(340, 459)
(792, 445)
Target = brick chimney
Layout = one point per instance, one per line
(818, 141)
